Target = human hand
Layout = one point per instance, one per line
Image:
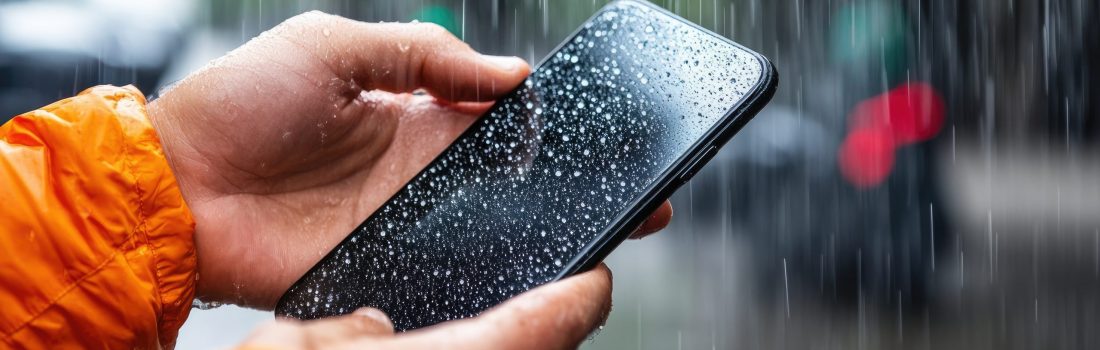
(285, 145)
(558, 315)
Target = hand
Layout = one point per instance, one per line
(555, 316)
(285, 145)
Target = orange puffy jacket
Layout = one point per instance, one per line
(96, 249)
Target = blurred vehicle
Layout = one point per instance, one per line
(53, 49)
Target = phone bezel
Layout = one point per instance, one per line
(665, 185)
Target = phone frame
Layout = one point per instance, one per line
(698, 155)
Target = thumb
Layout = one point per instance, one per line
(320, 334)
(402, 57)
(361, 323)
(559, 315)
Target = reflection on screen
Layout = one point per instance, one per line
(513, 201)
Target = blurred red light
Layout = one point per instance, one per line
(913, 112)
(867, 157)
(908, 114)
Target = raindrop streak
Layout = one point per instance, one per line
(786, 288)
(499, 211)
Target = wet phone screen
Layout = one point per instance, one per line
(552, 178)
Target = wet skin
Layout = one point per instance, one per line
(287, 143)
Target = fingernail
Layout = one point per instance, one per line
(374, 314)
(504, 62)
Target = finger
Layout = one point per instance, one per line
(402, 57)
(656, 221)
(558, 315)
(276, 334)
(361, 323)
(471, 108)
(366, 323)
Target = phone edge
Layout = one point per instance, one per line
(589, 258)
(669, 182)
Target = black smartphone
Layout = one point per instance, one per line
(552, 178)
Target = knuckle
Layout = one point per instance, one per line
(435, 32)
(435, 38)
(308, 20)
(313, 16)
(433, 29)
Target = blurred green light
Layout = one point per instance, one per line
(440, 15)
(865, 33)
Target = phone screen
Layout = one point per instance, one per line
(545, 173)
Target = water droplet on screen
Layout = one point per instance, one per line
(582, 138)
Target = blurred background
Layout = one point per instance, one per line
(927, 176)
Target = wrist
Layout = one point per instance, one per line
(167, 131)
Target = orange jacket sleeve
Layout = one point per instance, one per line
(96, 246)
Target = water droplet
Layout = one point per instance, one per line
(579, 129)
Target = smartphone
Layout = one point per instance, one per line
(552, 178)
